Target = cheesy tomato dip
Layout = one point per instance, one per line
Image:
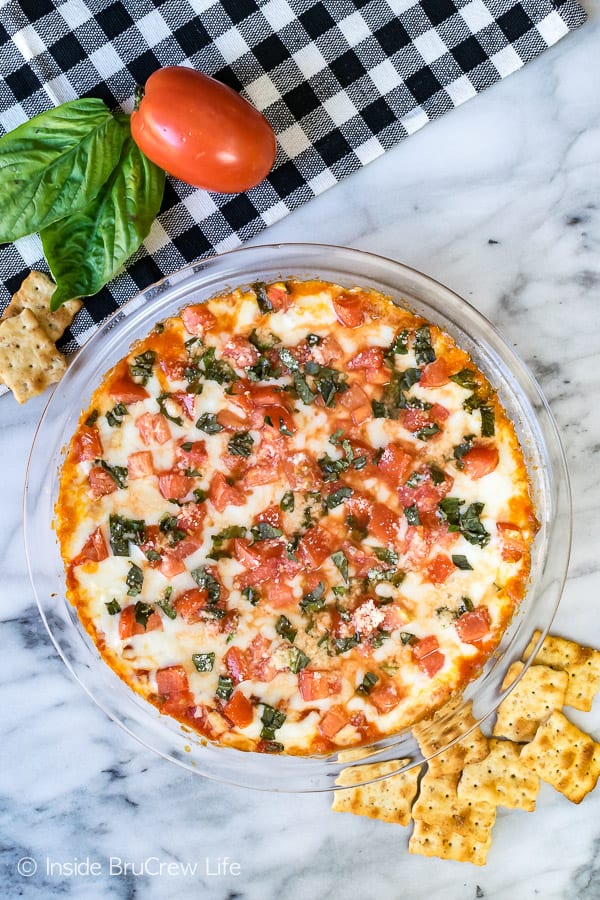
(295, 518)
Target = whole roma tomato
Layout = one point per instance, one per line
(202, 131)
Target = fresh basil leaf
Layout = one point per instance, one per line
(461, 562)
(114, 416)
(241, 444)
(208, 423)
(288, 359)
(284, 627)
(264, 304)
(342, 645)
(338, 497)
(224, 687)
(298, 660)
(87, 247)
(264, 531)
(465, 378)
(117, 473)
(488, 422)
(207, 582)
(134, 580)
(424, 352)
(142, 612)
(263, 342)
(341, 563)
(367, 683)
(386, 555)
(122, 531)
(287, 502)
(56, 164)
(92, 418)
(463, 448)
(113, 607)
(252, 595)
(412, 515)
(232, 531)
(142, 365)
(204, 662)
(314, 600)
(423, 434)
(302, 389)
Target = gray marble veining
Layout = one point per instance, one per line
(500, 200)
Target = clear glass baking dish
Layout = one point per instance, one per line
(517, 389)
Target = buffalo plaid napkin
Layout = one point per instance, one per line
(340, 82)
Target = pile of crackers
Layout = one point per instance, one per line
(29, 359)
(453, 801)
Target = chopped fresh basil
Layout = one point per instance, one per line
(423, 434)
(358, 531)
(408, 378)
(331, 469)
(142, 612)
(414, 479)
(302, 389)
(287, 502)
(465, 378)
(143, 365)
(392, 576)
(338, 497)
(407, 638)
(114, 416)
(328, 383)
(262, 299)
(153, 555)
(207, 582)
(117, 473)
(379, 637)
(264, 531)
(467, 522)
(288, 359)
(341, 563)
(283, 429)
(298, 660)
(217, 369)
(271, 747)
(134, 580)
(313, 340)
(466, 605)
(461, 562)
(367, 683)
(166, 605)
(311, 510)
(386, 555)
(437, 476)
(412, 515)
(263, 342)
(314, 600)
(113, 607)
(488, 423)
(262, 370)
(162, 401)
(208, 423)
(200, 494)
(446, 615)
(241, 444)
(399, 345)
(168, 525)
(204, 662)
(224, 687)
(284, 627)
(122, 531)
(91, 419)
(424, 352)
(272, 720)
(159, 328)
(335, 437)
(462, 449)
(232, 531)
(252, 595)
(194, 379)
(342, 645)
(473, 402)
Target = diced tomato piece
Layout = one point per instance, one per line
(191, 604)
(186, 402)
(474, 625)
(439, 413)
(123, 389)
(173, 366)
(87, 444)
(272, 515)
(249, 555)
(193, 458)
(223, 495)
(140, 464)
(513, 544)
(128, 626)
(359, 558)
(333, 721)
(263, 473)
(153, 428)
(170, 565)
(354, 398)
(315, 546)
(266, 395)
(172, 680)
(428, 656)
(237, 664)
(367, 359)
(480, 461)
(198, 319)
(317, 684)
(180, 704)
(326, 351)
(349, 309)
(94, 549)
(174, 485)
(260, 663)
(191, 518)
(240, 351)
(185, 548)
(439, 569)
(395, 463)
(279, 594)
(279, 296)
(301, 472)
(231, 421)
(384, 696)
(280, 416)
(434, 374)
(384, 524)
(360, 506)
(101, 482)
(239, 710)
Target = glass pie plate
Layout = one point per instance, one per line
(517, 391)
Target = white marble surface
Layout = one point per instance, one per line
(501, 201)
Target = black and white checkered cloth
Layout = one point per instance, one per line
(340, 82)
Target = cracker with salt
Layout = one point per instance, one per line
(29, 361)
(439, 804)
(501, 779)
(564, 756)
(430, 840)
(34, 294)
(582, 664)
(540, 691)
(389, 799)
(446, 725)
